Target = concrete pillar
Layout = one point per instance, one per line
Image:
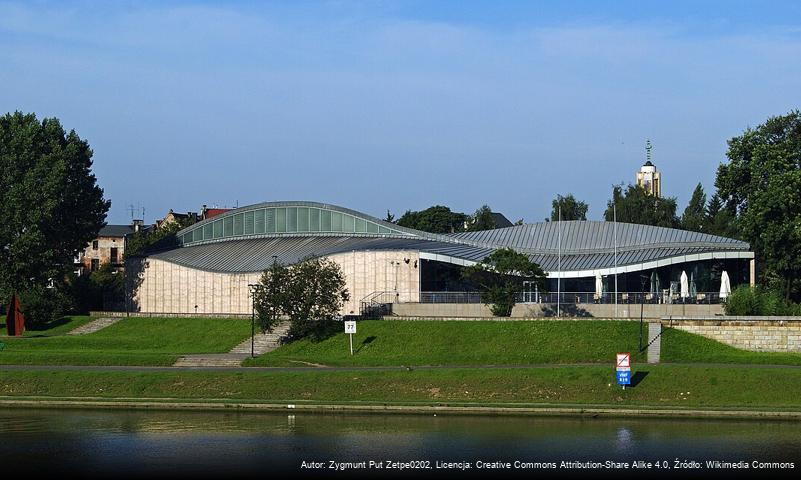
(654, 341)
(752, 272)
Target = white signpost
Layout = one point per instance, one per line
(350, 329)
(623, 367)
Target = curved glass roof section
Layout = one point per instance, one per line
(275, 219)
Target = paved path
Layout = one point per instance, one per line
(137, 368)
(262, 343)
(94, 326)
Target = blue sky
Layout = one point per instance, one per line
(399, 105)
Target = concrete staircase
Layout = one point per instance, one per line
(94, 326)
(262, 343)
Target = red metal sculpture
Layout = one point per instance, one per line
(15, 321)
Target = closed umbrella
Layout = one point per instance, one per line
(599, 286)
(685, 285)
(725, 285)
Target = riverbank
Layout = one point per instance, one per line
(758, 391)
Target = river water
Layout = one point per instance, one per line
(173, 444)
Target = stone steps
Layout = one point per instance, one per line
(94, 326)
(262, 343)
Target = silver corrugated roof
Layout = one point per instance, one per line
(585, 245)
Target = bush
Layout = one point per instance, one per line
(43, 305)
(745, 301)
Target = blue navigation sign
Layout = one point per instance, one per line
(624, 377)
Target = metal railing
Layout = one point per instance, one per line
(703, 298)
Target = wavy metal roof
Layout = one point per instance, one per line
(585, 245)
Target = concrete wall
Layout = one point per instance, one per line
(158, 286)
(467, 310)
(755, 334)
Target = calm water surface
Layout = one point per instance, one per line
(190, 444)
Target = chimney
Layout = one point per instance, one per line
(138, 224)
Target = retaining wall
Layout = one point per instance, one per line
(758, 334)
(525, 310)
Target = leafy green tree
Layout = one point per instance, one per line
(51, 204)
(155, 239)
(390, 218)
(695, 217)
(720, 218)
(572, 209)
(636, 205)
(482, 219)
(271, 295)
(436, 219)
(501, 275)
(310, 293)
(762, 181)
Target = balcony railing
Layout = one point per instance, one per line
(701, 298)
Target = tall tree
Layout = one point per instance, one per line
(636, 205)
(720, 218)
(572, 209)
(501, 275)
(482, 219)
(694, 217)
(762, 181)
(51, 204)
(436, 219)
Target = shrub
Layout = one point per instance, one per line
(43, 305)
(745, 301)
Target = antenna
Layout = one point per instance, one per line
(131, 209)
(648, 148)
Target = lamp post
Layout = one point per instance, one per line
(252, 287)
(643, 279)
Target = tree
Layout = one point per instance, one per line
(310, 293)
(390, 218)
(720, 218)
(694, 217)
(482, 219)
(761, 182)
(51, 204)
(572, 209)
(636, 205)
(436, 219)
(155, 239)
(501, 275)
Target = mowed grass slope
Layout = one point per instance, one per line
(438, 342)
(131, 341)
(732, 388)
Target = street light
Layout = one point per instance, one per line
(252, 288)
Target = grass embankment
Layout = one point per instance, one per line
(131, 341)
(657, 386)
(504, 343)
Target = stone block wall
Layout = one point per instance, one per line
(158, 286)
(755, 335)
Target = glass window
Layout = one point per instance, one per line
(325, 221)
(207, 232)
(361, 225)
(269, 222)
(248, 223)
(280, 220)
(228, 226)
(218, 229)
(238, 223)
(258, 221)
(348, 224)
(383, 229)
(336, 222)
(372, 227)
(291, 220)
(197, 234)
(314, 220)
(303, 219)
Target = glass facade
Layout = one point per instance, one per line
(290, 220)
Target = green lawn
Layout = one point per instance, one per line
(659, 386)
(680, 346)
(439, 342)
(131, 341)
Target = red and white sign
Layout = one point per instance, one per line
(623, 360)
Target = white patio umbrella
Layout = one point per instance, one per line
(685, 285)
(599, 285)
(725, 285)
